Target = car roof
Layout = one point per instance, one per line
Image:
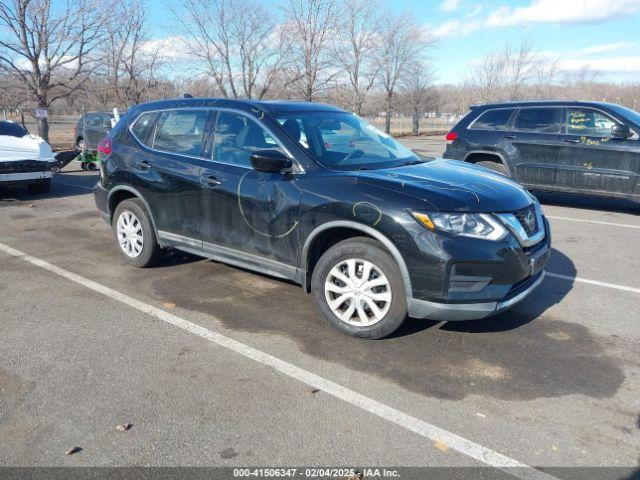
(542, 103)
(271, 106)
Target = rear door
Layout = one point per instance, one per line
(592, 159)
(535, 145)
(169, 172)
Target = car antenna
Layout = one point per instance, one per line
(187, 95)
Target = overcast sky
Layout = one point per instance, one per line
(603, 34)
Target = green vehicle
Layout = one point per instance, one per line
(88, 160)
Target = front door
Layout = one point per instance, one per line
(592, 159)
(248, 215)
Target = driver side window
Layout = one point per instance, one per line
(236, 137)
(588, 123)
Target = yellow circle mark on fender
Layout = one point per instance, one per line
(355, 205)
(246, 220)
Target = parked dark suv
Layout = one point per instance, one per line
(316, 195)
(91, 128)
(577, 147)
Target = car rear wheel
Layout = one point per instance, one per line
(134, 235)
(358, 288)
(495, 166)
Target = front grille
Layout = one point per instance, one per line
(528, 219)
(23, 167)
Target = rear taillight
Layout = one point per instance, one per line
(104, 146)
(451, 136)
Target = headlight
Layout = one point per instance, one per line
(476, 225)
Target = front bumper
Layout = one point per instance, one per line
(449, 312)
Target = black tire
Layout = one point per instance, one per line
(370, 250)
(83, 165)
(56, 169)
(151, 251)
(495, 166)
(91, 166)
(42, 186)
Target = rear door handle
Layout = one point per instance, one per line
(572, 140)
(510, 137)
(144, 165)
(210, 180)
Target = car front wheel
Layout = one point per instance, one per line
(358, 288)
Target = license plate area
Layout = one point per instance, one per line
(539, 261)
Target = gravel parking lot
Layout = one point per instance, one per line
(85, 346)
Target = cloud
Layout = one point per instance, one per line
(562, 12)
(536, 12)
(449, 5)
(611, 65)
(454, 27)
(169, 48)
(607, 47)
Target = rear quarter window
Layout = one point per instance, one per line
(493, 119)
(141, 126)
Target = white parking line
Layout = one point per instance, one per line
(594, 282)
(413, 424)
(611, 224)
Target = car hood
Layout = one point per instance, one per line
(452, 186)
(29, 147)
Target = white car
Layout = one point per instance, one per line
(24, 159)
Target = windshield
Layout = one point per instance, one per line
(12, 129)
(342, 141)
(629, 114)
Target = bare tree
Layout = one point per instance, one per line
(237, 40)
(310, 26)
(355, 46)
(49, 49)
(400, 42)
(502, 75)
(418, 96)
(130, 59)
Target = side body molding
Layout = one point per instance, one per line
(139, 196)
(365, 229)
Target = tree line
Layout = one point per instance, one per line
(97, 54)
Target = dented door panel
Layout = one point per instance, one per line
(257, 213)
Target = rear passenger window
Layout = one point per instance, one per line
(141, 126)
(587, 122)
(493, 119)
(181, 131)
(544, 120)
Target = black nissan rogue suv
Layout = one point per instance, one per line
(314, 194)
(589, 148)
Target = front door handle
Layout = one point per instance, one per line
(572, 140)
(210, 180)
(510, 137)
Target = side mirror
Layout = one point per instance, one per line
(270, 161)
(620, 130)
